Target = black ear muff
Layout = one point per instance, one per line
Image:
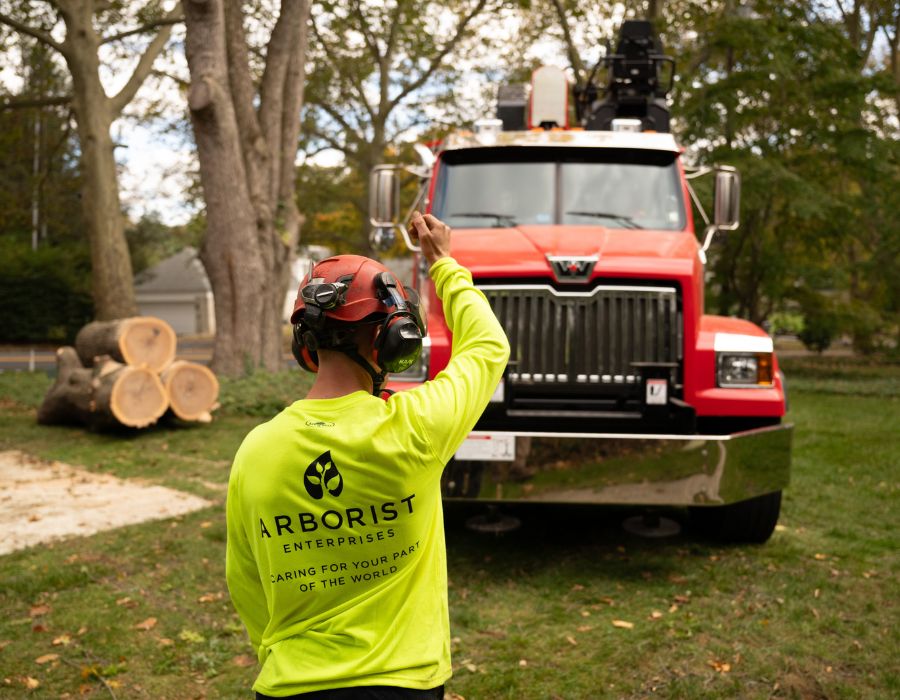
(399, 340)
(307, 358)
(398, 343)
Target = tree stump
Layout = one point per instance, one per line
(105, 395)
(140, 341)
(192, 390)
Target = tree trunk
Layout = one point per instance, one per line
(139, 341)
(192, 390)
(247, 171)
(230, 251)
(107, 395)
(112, 279)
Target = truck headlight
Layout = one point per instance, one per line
(418, 370)
(745, 369)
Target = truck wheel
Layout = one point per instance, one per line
(750, 521)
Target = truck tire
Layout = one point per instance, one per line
(750, 521)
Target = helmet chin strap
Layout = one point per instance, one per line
(377, 377)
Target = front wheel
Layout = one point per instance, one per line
(750, 521)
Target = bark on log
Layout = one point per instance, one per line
(105, 395)
(192, 390)
(141, 341)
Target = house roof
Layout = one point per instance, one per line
(183, 272)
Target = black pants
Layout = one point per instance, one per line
(368, 692)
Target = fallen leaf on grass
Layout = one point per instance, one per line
(577, 587)
(164, 642)
(244, 660)
(673, 608)
(571, 640)
(453, 696)
(720, 666)
(585, 613)
(820, 556)
(5, 643)
(127, 602)
(147, 624)
(38, 610)
(585, 628)
(39, 628)
(655, 615)
(210, 597)
(523, 663)
(31, 683)
(681, 599)
(62, 640)
(46, 658)
(623, 624)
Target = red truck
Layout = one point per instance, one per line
(583, 240)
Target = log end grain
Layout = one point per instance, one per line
(192, 390)
(138, 398)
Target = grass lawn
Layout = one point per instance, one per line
(568, 606)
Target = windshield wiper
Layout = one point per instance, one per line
(627, 220)
(501, 220)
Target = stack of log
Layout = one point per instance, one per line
(124, 373)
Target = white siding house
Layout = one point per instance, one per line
(178, 291)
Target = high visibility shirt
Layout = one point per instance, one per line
(336, 561)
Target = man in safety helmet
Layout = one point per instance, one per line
(336, 560)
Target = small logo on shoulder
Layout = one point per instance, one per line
(319, 424)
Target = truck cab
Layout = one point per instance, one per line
(583, 240)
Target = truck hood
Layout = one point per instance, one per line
(522, 251)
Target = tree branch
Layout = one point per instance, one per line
(283, 43)
(574, 58)
(143, 29)
(441, 55)
(22, 102)
(351, 78)
(145, 65)
(39, 34)
(364, 29)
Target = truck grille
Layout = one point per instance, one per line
(586, 337)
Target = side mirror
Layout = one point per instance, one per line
(384, 197)
(727, 198)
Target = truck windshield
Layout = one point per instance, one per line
(506, 187)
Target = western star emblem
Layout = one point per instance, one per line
(572, 268)
(323, 475)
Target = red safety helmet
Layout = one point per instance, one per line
(345, 291)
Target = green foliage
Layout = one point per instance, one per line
(45, 292)
(820, 324)
(263, 393)
(780, 92)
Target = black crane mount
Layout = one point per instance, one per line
(639, 77)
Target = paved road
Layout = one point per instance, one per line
(24, 358)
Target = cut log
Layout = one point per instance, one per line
(192, 390)
(105, 395)
(141, 341)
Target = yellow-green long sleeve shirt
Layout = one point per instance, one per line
(336, 560)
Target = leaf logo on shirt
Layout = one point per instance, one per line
(321, 475)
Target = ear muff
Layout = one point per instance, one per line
(399, 340)
(398, 343)
(307, 358)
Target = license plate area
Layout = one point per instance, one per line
(489, 448)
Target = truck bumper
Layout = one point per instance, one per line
(652, 470)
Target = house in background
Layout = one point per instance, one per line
(177, 290)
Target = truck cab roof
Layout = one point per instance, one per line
(562, 138)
